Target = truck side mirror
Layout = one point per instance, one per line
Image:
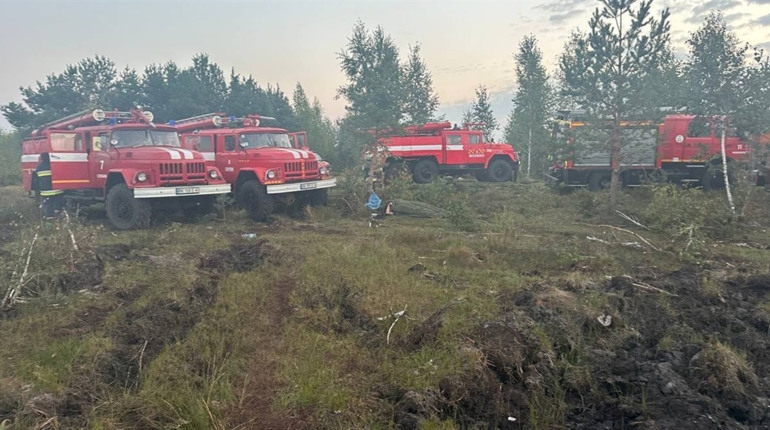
(244, 144)
(113, 142)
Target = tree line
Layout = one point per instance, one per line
(623, 67)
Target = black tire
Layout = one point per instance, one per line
(126, 212)
(318, 197)
(425, 171)
(599, 181)
(499, 171)
(254, 198)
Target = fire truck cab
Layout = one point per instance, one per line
(433, 148)
(125, 160)
(258, 161)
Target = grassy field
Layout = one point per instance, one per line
(487, 318)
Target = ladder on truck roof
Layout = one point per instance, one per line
(93, 117)
(218, 119)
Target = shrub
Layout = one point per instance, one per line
(10, 158)
(687, 215)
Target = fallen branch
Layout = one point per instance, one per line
(631, 220)
(398, 316)
(627, 244)
(13, 292)
(646, 242)
(648, 287)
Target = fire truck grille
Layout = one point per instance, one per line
(196, 170)
(171, 171)
(300, 170)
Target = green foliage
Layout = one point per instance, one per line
(374, 91)
(686, 215)
(10, 156)
(480, 112)
(461, 216)
(722, 81)
(528, 122)
(321, 134)
(420, 101)
(349, 196)
(169, 91)
(587, 202)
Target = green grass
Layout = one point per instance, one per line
(310, 326)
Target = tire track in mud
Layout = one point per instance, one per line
(260, 386)
(140, 335)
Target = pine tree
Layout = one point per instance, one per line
(420, 102)
(481, 113)
(533, 100)
(374, 90)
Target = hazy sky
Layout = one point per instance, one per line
(465, 43)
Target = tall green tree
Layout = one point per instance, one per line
(320, 130)
(127, 92)
(607, 70)
(481, 113)
(158, 90)
(420, 101)
(716, 68)
(532, 103)
(198, 89)
(374, 90)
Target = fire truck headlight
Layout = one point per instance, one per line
(213, 174)
(323, 171)
(141, 177)
(270, 174)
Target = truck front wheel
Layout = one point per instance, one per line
(126, 212)
(499, 171)
(254, 198)
(425, 171)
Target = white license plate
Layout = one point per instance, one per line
(307, 186)
(187, 190)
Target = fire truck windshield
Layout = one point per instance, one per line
(129, 138)
(261, 140)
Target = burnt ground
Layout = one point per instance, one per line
(665, 362)
(138, 336)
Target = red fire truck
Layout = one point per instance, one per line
(683, 149)
(433, 148)
(125, 160)
(258, 161)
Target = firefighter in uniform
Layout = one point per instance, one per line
(52, 199)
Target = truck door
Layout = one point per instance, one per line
(698, 143)
(476, 151)
(69, 161)
(228, 156)
(99, 159)
(454, 148)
